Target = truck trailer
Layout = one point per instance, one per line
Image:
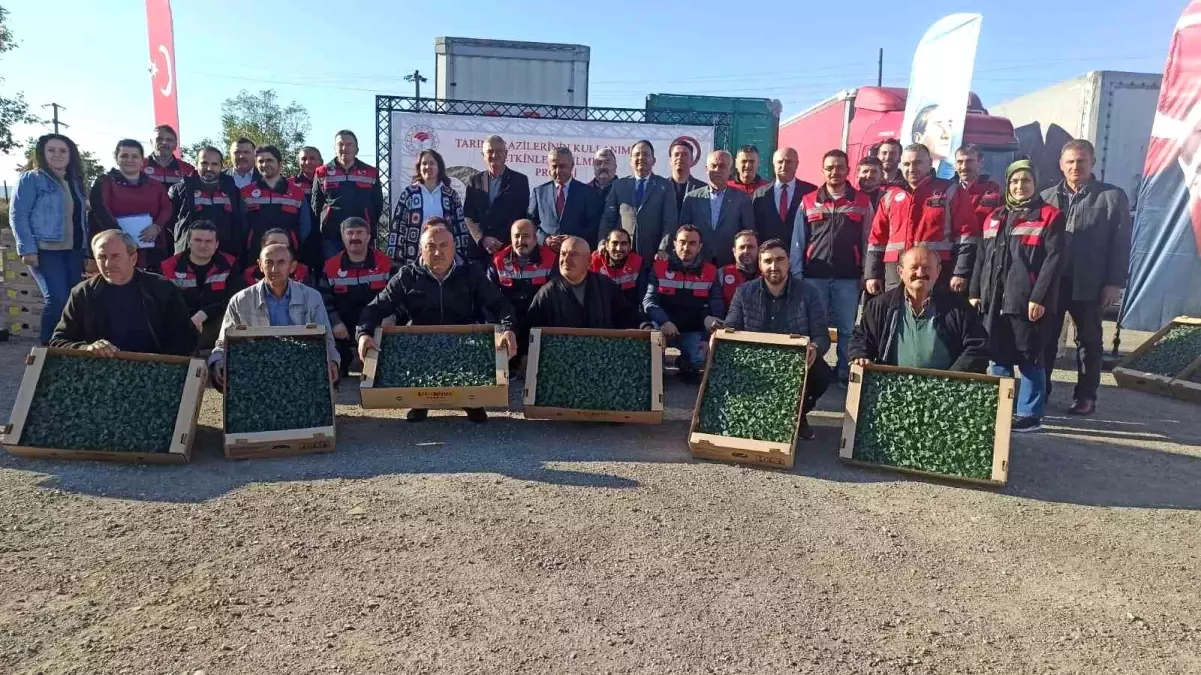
(507, 71)
(1113, 110)
(857, 120)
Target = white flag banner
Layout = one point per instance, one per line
(940, 82)
(460, 140)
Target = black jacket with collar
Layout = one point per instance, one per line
(956, 321)
(85, 318)
(416, 297)
(496, 218)
(1098, 231)
(605, 306)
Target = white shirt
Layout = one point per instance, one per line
(242, 179)
(791, 185)
(431, 202)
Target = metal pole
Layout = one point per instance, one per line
(880, 69)
(56, 108)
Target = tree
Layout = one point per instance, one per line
(189, 153)
(13, 109)
(262, 119)
(92, 168)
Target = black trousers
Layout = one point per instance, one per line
(347, 351)
(1086, 314)
(818, 380)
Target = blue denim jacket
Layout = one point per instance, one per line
(37, 211)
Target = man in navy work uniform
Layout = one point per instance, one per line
(349, 280)
(683, 299)
(345, 187)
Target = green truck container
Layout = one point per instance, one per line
(755, 121)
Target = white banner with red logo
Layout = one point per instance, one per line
(460, 140)
(1165, 256)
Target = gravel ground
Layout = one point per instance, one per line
(540, 547)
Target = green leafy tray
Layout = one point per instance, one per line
(929, 421)
(594, 372)
(429, 360)
(105, 405)
(753, 391)
(277, 383)
(1170, 354)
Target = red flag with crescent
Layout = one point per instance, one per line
(162, 63)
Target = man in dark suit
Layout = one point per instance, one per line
(562, 206)
(679, 155)
(776, 205)
(496, 198)
(642, 204)
(717, 211)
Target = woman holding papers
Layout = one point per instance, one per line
(127, 199)
(49, 221)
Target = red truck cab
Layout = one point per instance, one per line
(855, 120)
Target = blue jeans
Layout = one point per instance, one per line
(842, 302)
(56, 274)
(692, 350)
(1032, 390)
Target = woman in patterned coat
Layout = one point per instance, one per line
(429, 196)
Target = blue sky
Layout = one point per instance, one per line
(91, 56)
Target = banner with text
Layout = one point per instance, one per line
(939, 85)
(460, 140)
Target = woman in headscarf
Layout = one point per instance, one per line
(429, 196)
(1015, 281)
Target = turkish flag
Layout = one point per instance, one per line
(162, 63)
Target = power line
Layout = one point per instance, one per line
(57, 123)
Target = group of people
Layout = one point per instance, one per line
(959, 274)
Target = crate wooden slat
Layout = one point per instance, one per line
(746, 450)
(529, 394)
(490, 396)
(1175, 386)
(1006, 390)
(284, 442)
(182, 438)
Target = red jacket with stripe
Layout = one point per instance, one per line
(208, 294)
(985, 196)
(268, 208)
(341, 192)
(923, 216)
(348, 286)
(175, 170)
(1021, 257)
(731, 277)
(835, 229)
(518, 283)
(629, 276)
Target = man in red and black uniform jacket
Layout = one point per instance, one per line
(683, 299)
(206, 277)
(349, 280)
(984, 193)
(519, 270)
(615, 260)
(273, 201)
(161, 165)
(746, 171)
(744, 268)
(254, 274)
(343, 188)
(309, 158)
(924, 213)
(211, 196)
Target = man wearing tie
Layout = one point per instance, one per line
(642, 204)
(776, 204)
(717, 211)
(561, 207)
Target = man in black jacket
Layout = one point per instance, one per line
(496, 198)
(209, 195)
(206, 277)
(438, 291)
(578, 298)
(1094, 267)
(916, 325)
(124, 309)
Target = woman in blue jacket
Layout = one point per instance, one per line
(49, 216)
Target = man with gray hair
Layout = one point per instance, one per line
(719, 212)
(562, 207)
(604, 172)
(124, 309)
(496, 198)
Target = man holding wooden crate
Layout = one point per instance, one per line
(349, 281)
(683, 299)
(920, 324)
(438, 291)
(124, 308)
(580, 298)
(778, 302)
(274, 301)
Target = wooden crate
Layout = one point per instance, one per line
(286, 442)
(746, 450)
(1176, 386)
(185, 422)
(534, 411)
(493, 396)
(1006, 389)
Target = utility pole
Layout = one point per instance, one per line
(56, 107)
(880, 69)
(416, 78)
